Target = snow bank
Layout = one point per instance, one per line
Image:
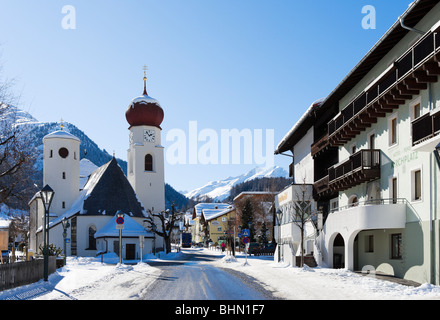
(318, 283)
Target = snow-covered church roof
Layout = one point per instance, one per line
(106, 191)
(60, 134)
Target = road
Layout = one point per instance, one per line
(192, 279)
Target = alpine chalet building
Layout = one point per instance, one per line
(376, 160)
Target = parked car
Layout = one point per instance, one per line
(254, 247)
(269, 246)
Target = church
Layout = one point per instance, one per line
(89, 201)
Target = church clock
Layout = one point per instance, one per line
(149, 135)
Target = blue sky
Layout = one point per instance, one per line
(247, 64)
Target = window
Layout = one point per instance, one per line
(369, 243)
(392, 131)
(51, 154)
(219, 229)
(417, 185)
(394, 189)
(372, 140)
(396, 246)
(148, 162)
(353, 149)
(353, 201)
(63, 205)
(334, 203)
(63, 152)
(415, 108)
(416, 111)
(64, 175)
(92, 240)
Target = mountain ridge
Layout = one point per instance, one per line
(219, 190)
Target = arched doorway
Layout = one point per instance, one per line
(338, 252)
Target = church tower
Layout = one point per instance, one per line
(61, 161)
(145, 169)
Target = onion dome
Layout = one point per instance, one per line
(144, 110)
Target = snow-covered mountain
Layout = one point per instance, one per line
(220, 190)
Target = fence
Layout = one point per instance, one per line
(21, 273)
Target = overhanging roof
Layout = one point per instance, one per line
(415, 12)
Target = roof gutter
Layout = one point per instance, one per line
(409, 28)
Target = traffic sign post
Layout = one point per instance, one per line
(246, 243)
(119, 226)
(141, 244)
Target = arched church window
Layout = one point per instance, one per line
(92, 240)
(148, 162)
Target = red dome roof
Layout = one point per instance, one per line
(144, 110)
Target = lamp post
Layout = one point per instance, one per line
(279, 216)
(46, 195)
(66, 225)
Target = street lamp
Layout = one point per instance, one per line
(66, 225)
(279, 216)
(46, 195)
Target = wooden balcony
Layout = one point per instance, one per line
(320, 145)
(405, 78)
(426, 131)
(363, 166)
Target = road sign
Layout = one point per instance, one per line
(245, 240)
(245, 232)
(120, 223)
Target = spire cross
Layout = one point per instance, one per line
(62, 126)
(145, 68)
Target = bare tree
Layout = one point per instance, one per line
(167, 222)
(302, 212)
(16, 156)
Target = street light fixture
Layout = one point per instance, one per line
(279, 216)
(66, 225)
(46, 195)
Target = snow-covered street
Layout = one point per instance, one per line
(89, 279)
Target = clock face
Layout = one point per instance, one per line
(149, 135)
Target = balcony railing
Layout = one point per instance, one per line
(425, 127)
(406, 77)
(371, 202)
(320, 145)
(360, 167)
